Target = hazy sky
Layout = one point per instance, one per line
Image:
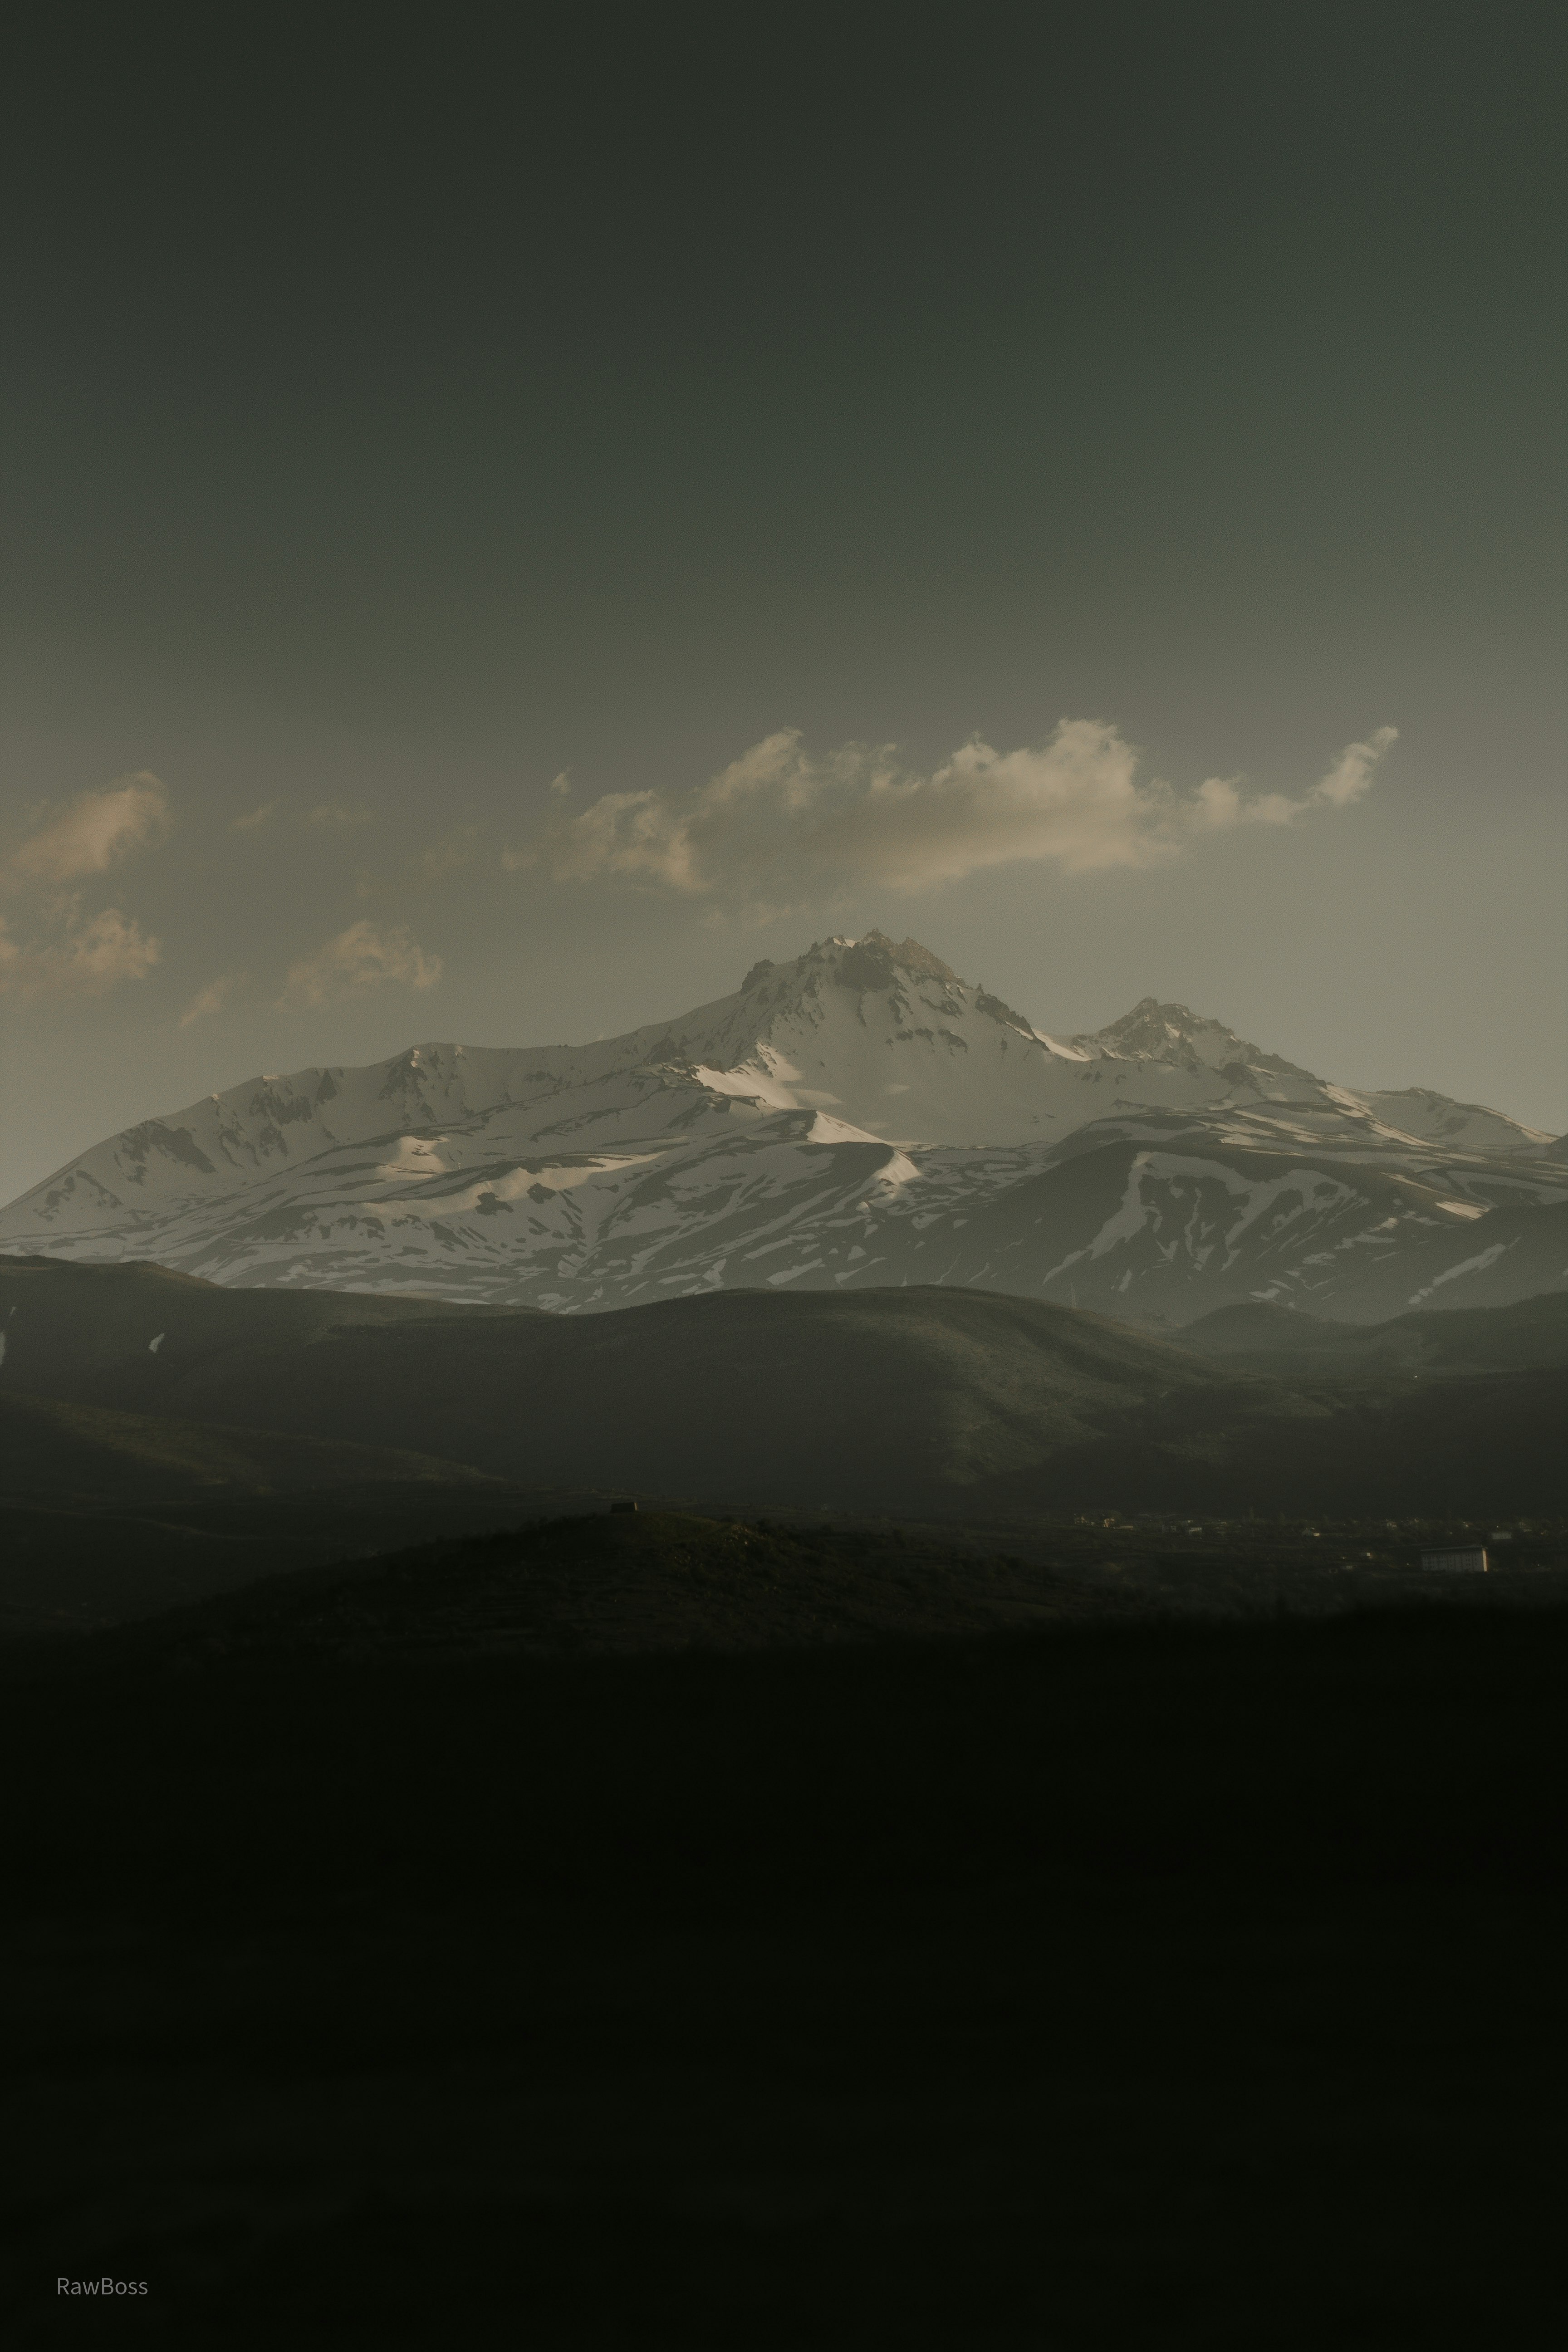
(502, 532)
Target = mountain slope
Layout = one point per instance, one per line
(858, 1117)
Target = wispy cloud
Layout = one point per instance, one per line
(1220, 802)
(61, 949)
(329, 816)
(256, 820)
(93, 834)
(212, 998)
(445, 857)
(76, 954)
(358, 959)
(518, 861)
(1353, 770)
(782, 820)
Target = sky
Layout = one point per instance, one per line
(507, 523)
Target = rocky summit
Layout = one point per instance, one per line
(855, 1118)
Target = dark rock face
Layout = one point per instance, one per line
(876, 961)
(866, 965)
(910, 956)
(1003, 1012)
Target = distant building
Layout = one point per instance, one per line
(1458, 1563)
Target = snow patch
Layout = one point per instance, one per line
(1469, 1266)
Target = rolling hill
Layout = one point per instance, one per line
(918, 1402)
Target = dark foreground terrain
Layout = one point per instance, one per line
(1026, 1857)
(425, 1953)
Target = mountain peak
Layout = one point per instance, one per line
(1156, 1032)
(869, 961)
(909, 955)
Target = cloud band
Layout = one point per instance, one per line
(782, 816)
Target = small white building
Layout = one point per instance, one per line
(1458, 1563)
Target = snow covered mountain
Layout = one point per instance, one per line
(860, 1116)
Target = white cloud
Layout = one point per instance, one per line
(1353, 772)
(561, 785)
(1221, 802)
(360, 958)
(95, 833)
(212, 998)
(783, 821)
(78, 955)
(256, 820)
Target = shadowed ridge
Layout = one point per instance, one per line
(1530, 1333)
(50, 1449)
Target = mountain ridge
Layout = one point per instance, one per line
(844, 1108)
